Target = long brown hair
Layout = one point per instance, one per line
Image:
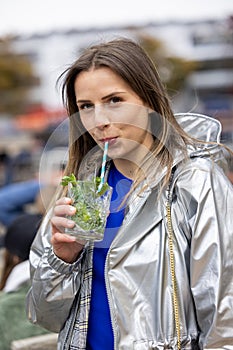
(127, 59)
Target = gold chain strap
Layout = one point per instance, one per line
(173, 275)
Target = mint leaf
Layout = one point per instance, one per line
(88, 214)
(69, 179)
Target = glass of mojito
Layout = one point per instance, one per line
(92, 207)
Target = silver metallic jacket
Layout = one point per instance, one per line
(137, 271)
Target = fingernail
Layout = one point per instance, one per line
(70, 223)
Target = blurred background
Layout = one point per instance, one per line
(190, 42)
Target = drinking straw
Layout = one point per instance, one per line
(103, 166)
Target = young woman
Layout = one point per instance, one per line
(162, 277)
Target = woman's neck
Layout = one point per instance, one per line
(126, 168)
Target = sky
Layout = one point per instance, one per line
(30, 16)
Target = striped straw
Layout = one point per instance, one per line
(103, 166)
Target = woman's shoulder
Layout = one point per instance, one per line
(199, 174)
(198, 164)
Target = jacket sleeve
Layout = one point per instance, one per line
(54, 283)
(207, 196)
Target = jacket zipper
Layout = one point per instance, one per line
(128, 218)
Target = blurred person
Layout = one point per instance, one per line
(4, 161)
(20, 167)
(14, 197)
(15, 279)
(162, 276)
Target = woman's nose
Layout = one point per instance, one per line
(101, 116)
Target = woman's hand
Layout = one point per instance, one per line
(65, 246)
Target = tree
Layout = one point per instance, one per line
(173, 70)
(16, 79)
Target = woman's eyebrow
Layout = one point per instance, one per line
(103, 98)
(81, 101)
(112, 94)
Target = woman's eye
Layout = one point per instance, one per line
(115, 99)
(85, 106)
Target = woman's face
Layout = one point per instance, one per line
(111, 111)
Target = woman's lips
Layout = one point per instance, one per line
(111, 140)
